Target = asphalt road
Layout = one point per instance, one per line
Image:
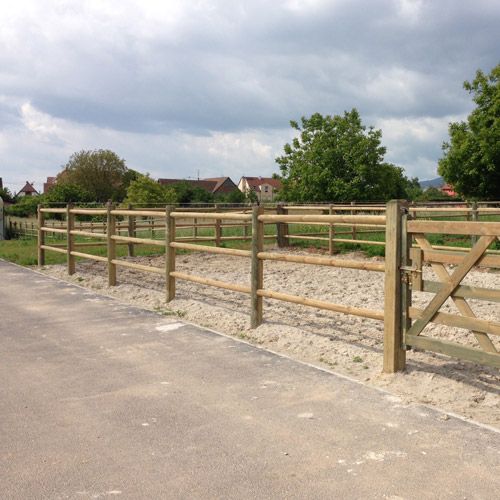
(103, 400)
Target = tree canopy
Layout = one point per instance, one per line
(471, 159)
(101, 173)
(337, 159)
(145, 190)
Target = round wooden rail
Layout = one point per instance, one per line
(88, 211)
(217, 250)
(145, 241)
(53, 210)
(339, 208)
(209, 282)
(212, 216)
(355, 311)
(323, 261)
(330, 219)
(140, 267)
(76, 232)
(54, 249)
(140, 213)
(89, 256)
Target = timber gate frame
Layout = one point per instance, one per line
(416, 250)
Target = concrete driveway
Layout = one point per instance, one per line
(103, 400)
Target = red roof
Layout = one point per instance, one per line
(28, 188)
(255, 182)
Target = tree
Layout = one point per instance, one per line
(68, 192)
(6, 195)
(471, 159)
(101, 173)
(26, 206)
(145, 190)
(188, 193)
(336, 159)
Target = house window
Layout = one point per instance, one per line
(266, 188)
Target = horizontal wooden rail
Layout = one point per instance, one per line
(458, 249)
(209, 282)
(364, 313)
(53, 230)
(89, 256)
(459, 227)
(140, 267)
(444, 210)
(54, 249)
(139, 213)
(218, 250)
(53, 210)
(89, 211)
(212, 216)
(77, 232)
(323, 261)
(443, 257)
(143, 241)
(465, 322)
(453, 349)
(347, 208)
(329, 219)
(465, 291)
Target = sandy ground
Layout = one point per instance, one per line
(347, 345)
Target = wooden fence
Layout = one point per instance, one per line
(402, 268)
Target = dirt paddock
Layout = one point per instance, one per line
(348, 345)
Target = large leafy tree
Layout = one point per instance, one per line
(145, 190)
(6, 195)
(101, 173)
(68, 192)
(471, 159)
(337, 159)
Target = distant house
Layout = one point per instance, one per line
(27, 190)
(448, 189)
(52, 181)
(214, 185)
(266, 188)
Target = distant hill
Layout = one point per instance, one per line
(433, 182)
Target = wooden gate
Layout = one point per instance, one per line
(450, 267)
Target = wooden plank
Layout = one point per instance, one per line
(54, 230)
(456, 350)
(210, 282)
(443, 257)
(465, 291)
(454, 227)
(394, 354)
(257, 268)
(461, 303)
(355, 311)
(323, 261)
(450, 283)
(89, 211)
(416, 260)
(466, 322)
(205, 248)
(136, 213)
(54, 210)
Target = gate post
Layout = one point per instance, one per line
(70, 239)
(111, 244)
(257, 270)
(394, 353)
(41, 236)
(169, 253)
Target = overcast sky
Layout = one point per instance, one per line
(208, 87)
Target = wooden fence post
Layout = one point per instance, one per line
(110, 231)
(475, 218)
(169, 253)
(281, 227)
(70, 239)
(394, 354)
(217, 227)
(257, 271)
(331, 233)
(131, 231)
(353, 212)
(41, 236)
